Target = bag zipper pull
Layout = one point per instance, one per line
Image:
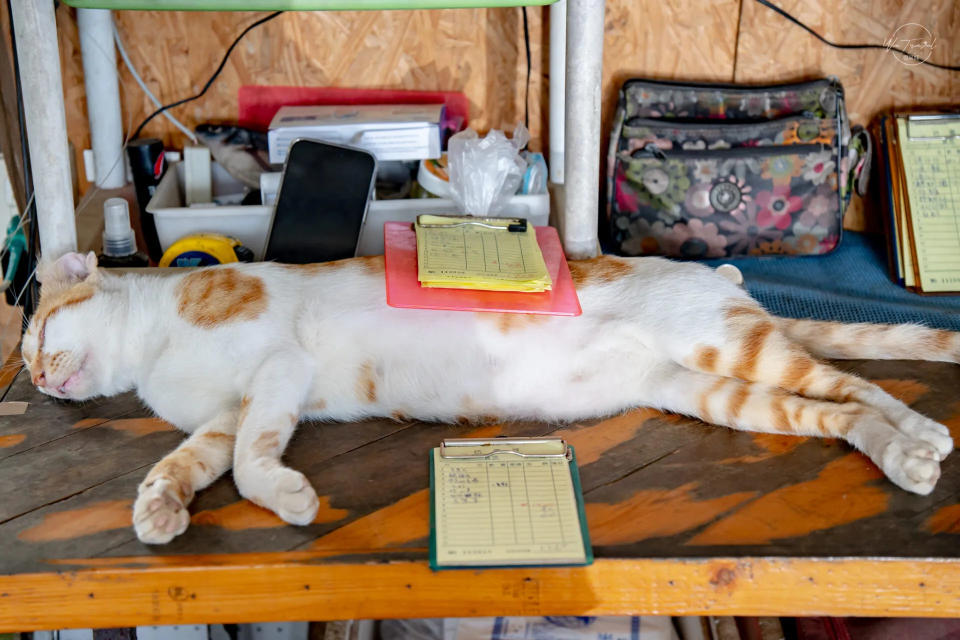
(655, 151)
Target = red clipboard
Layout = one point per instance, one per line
(404, 290)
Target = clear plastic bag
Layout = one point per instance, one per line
(485, 172)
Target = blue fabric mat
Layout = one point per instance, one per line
(849, 285)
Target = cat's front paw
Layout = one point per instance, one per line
(284, 491)
(158, 514)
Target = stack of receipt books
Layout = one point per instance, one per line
(489, 254)
(389, 132)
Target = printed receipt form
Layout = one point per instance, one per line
(510, 503)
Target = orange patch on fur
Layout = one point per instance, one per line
(53, 301)
(209, 297)
(367, 383)
(12, 440)
(835, 392)
(737, 399)
(840, 494)
(244, 514)
(797, 372)
(779, 414)
(752, 346)
(135, 426)
(266, 444)
(945, 520)
(705, 398)
(907, 391)
(601, 269)
(507, 322)
(75, 523)
(218, 437)
(319, 405)
(371, 264)
(707, 359)
(943, 340)
(744, 310)
(656, 513)
(178, 467)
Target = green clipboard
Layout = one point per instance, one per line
(506, 502)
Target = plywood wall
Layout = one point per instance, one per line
(481, 52)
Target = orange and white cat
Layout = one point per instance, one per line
(236, 355)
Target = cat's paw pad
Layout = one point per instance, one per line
(158, 514)
(933, 433)
(913, 465)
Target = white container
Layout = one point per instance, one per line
(250, 224)
(535, 208)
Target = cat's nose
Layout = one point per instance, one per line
(40, 379)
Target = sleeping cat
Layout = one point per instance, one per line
(319, 342)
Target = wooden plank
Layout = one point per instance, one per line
(48, 419)
(97, 520)
(296, 591)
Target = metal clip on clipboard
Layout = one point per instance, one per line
(479, 449)
(933, 119)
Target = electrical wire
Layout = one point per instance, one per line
(836, 45)
(146, 90)
(223, 62)
(526, 95)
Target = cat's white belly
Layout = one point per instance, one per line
(459, 365)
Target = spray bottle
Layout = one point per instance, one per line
(119, 242)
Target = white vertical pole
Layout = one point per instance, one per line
(582, 127)
(558, 62)
(39, 59)
(103, 95)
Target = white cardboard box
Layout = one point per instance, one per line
(390, 132)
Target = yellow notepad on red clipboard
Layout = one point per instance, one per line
(488, 254)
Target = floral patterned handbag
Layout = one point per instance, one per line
(710, 170)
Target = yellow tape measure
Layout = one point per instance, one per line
(205, 249)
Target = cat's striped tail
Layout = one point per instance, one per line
(873, 341)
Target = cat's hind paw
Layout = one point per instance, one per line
(933, 433)
(912, 464)
(158, 514)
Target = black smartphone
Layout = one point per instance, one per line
(321, 204)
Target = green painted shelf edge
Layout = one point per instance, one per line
(297, 5)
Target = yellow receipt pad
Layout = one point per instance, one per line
(506, 502)
(931, 163)
(479, 253)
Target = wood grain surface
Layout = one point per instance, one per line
(684, 517)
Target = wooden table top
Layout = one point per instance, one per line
(684, 518)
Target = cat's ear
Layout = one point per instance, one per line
(68, 270)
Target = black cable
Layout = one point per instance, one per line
(526, 96)
(136, 134)
(836, 45)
